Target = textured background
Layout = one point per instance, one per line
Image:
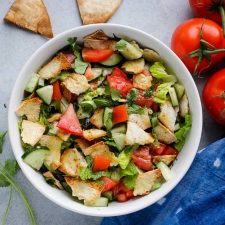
(157, 17)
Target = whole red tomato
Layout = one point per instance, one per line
(214, 96)
(199, 44)
(210, 9)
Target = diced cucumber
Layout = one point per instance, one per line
(173, 97)
(165, 170)
(45, 93)
(179, 90)
(119, 139)
(35, 157)
(106, 71)
(109, 195)
(107, 118)
(119, 129)
(100, 202)
(113, 60)
(41, 82)
(88, 106)
(63, 105)
(32, 83)
(97, 72)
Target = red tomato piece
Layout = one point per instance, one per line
(96, 55)
(142, 158)
(109, 184)
(70, 56)
(119, 81)
(214, 96)
(69, 122)
(120, 114)
(100, 163)
(157, 150)
(170, 151)
(57, 95)
(122, 193)
(142, 101)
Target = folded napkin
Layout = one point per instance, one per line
(199, 199)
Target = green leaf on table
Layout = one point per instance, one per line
(2, 137)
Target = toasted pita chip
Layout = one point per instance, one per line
(32, 15)
(97, 11)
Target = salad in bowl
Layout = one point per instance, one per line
(104, 119)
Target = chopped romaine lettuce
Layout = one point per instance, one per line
(86, 173)
(182, 133)
(158, 70)
(162, 90)
(121, 45)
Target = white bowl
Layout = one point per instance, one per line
(181, 165)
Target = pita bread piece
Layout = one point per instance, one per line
(32, 15)
(97, 11)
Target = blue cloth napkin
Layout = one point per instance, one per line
(199, 199)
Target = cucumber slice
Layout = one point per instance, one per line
(173, 97)
(45, 93)
(88, 106)
(100, 202)
(97, 72)
(63, 105)
(32, 83)
(108, 194)
(113, 60)
(119, 139)
(41, 82)
(119, 129)
(35, 157)
(107, 118)
(179, 90)
(165, 170)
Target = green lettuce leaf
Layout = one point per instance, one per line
(86, 173)
(130, 181)
(161, 93)
(80, 66)
(158, 70)
(182, 133)
(121, 45)
(115, 94)
(135, 109)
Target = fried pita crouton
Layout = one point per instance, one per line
(30, 108)
(32, 15)
(54, 117)
(164, 134)
(54, 145)
(167, 159)
(71, 162)
(145, 182)
(76, 84)
(184, 108)
(97, 11)
(88, 191)
(97, 118)
(31, 132)
(168, 115)
(92, 134)
(136, 135)
(142, 81)
(83, 144)
(54, 67)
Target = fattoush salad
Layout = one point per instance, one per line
(104, 120)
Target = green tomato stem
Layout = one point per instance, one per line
(222, 13)
(212, 52)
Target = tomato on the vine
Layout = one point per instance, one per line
(211, 9)
(199, 43)
(214, 96)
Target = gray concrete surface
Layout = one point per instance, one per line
(157, 17)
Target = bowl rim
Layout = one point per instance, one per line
(93, 211)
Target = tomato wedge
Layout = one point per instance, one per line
(170, 151)
(69, 122)
(100, 163)
(109, 184)
(122, 193)
(96, 55)
(157, 150)
(57, 95)
(142, 101)
(120, 114)
(118, 80)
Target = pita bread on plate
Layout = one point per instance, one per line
(97, 11)
(32, 15)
